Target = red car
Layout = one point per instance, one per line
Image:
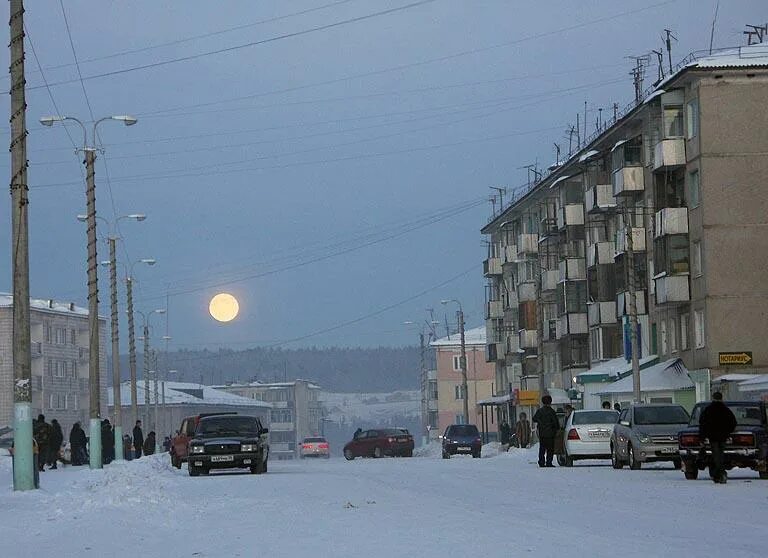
(180, 442)
(395, 442)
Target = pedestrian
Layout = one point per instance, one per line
(504, 432)
(42, 434)
(127, 447)
(357, 433)
(617, 407)
(107, 442)
(547, 426)
(149, 444)
(523, 431)
(716, 423)
(606, 405)
(167, 443)
(138, 439)
(57, 439)
(77, 443)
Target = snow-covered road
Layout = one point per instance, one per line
(501, 506)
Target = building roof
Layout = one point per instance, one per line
(46, 305)
(613, 369)
(267, 385)
(670, 375)
(736, 377)
(742, 57)
(474, 336)
(758, 382)
(185, 393)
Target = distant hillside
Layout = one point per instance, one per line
(383, 369)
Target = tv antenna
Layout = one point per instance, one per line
(756, 33)
(668, 43)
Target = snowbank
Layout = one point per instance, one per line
(433, 450)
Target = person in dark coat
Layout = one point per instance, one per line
(138, 439)
(107, 442)
(149, 444)
(606, 405)
(504, 432)
(77, 443)
(57, 439)
(42, 434)
(716, 423)
(547, 426)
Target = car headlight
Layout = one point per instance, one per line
(248, 447)
(644, 438)
(198, 449)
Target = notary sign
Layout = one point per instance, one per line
(739, 358)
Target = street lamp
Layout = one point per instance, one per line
(146, 318)
(94, 375)
(464, 387)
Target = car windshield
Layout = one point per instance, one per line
(228, 426)
(313, 440)
(595, 417)
(746, 415)
(463, 430)
(674, 414)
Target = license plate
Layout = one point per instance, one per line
(599, 434)
(220, 458)
(669, 450)
(465, 448)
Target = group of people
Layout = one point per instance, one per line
(49, 439)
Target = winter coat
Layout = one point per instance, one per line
(138, 437)
(546, 422)
(523, 433)
(42, 433)
(149, 445)
(716, 422)
(77, 437)
(57, 436)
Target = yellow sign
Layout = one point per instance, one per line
(528, 398)
(729, 359)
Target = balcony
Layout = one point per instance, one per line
(492, 266)
(672, 288)
(528, 338)
(638, 240)
(527, 245)
(513, 345)
(494, 309)
(599, 198)
(550, 330)
(600, 253)
(669, 153)
(549, 279)
(570, 215)
(572, 269)
(494, 352)
(622, 303)
(572, 324)
(628, 180)
(601, 313)
(510, 254)
(671, 220)
(526, 292)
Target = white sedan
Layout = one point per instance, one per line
(588, 435)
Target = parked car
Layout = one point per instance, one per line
(747, 447)
(179, 449)
(588, 435)
(462, 438)
(380, 442)
(647, 432)
(314, 447)
(228, 442)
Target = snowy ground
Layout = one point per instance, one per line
(500, 506)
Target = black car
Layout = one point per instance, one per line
(461, 438)
(746, 447)
(228, 442)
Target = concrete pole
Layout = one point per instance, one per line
(464, 386)
(145, 374)
(156, 424)
(23, 455)
(132, 351)
(424, 391)
(116, 395)
(94, 375)
(636, 395)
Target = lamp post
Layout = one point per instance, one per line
(146, 317)
(94, 376)
(112, 264)
(464, 388)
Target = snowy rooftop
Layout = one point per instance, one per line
(758, 382)
(185, 393)
(741, 57)
(49, 305)
(614, 368)
(267, 385)
(670, 375)
(475, 336)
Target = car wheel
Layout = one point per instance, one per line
(348, 455)
(561, 460)
(677, 464)
(763, 474)
(634, 464)
(193, 471)
(446, 455)
(615, 461)
(377, 452)
(691, 473)
(476, 455)
(409, 453)
(568, 460)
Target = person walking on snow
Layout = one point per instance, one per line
(523, 431)
(57, 439)
(504, 432)
(42, 433)
(149, 444)
(138, 439)
(716, 423)
(547, 426)
(77, 443)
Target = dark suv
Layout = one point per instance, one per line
(461, 438)
(228, 442)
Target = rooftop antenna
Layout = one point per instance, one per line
(599, 117)
(571, 131)
(501, 192)
(714, 22)
(668, 44)
(492, 199)
(756, 33)
(557, 154)
(660, 57)
(638, 75)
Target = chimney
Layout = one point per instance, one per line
(71, 306)
(50, 303)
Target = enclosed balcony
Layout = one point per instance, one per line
(628, 180)
(528, 338)
(549, 279)
(601, 313)
(599, 198)
(572, 269)
(570, 215)
(492, 266)
(672, 288)
(510, 254)
(527, 245)
(494, 309)
(622, 303)
(494, 352)
(600, 253)
(669, 153)
(572, 324)
(526, 292)
(638, 240)
(671, 220)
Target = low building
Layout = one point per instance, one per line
(60, 385)
(296, 411)
(432, 406)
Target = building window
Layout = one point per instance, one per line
(698, 329)
(672, 335)
(457, 363)
(458, 391)
(57, 402)
(670, 254)
(695, 187)
(673, 121)
(459, 419)
(693, 119)
(433, 418)
(71, 402)
(73, 337)
(664, 344)
(433, 390)
(684, 321)
(282, 415)
(696, 259)
(61, 336)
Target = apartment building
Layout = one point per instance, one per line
(59, 335)
(296, 412)
(679, 177)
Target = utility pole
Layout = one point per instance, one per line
(540, 331)
(464, 386)
(632, 307)
(424, 388)
(132, 350)
(145, 374)
(156, 375)
(23, 455)
(116, 395)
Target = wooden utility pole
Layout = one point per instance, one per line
(630, 246)
(23, 455)
(132, 350)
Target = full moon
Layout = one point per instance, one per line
(224, 307)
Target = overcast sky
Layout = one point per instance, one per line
(323, 177)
